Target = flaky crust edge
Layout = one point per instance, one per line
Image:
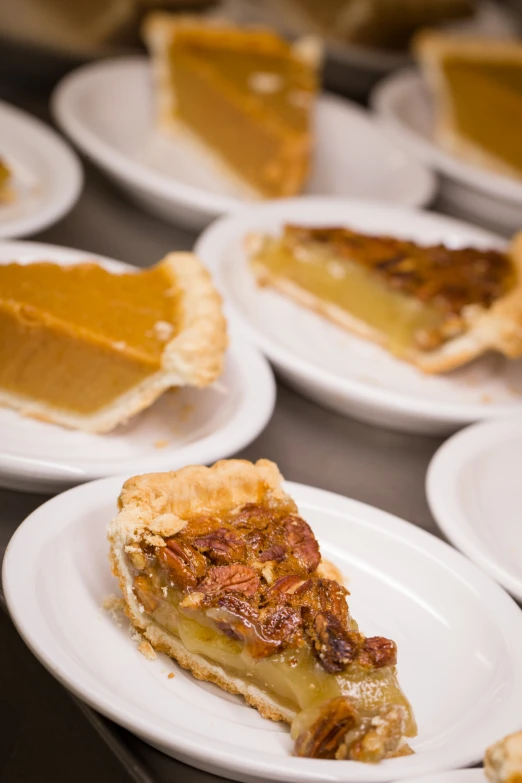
(157, 504)
(193, 357)
(499, 328)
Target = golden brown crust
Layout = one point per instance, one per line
(497, 328)
(193, 357)
(430, 48)
(503, 760)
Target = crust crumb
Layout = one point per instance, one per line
(160, 444)
(115, 606)
(166, 525)
(147, 650)
(170, 676)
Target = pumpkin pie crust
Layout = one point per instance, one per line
(433, 306)
(219, 571)
(241, 95)
(87, 348)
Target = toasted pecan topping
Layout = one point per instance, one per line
(449, 279)
(232, 579)
(322, 739)
(376, 738)
(302, 542)
(377, 652)
(253, 574)
(333, 644)
(221, 546)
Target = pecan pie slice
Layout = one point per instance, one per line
(219, 571)
(433, 306)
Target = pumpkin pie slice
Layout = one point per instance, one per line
(88, 348)
(220, 571)
(433, 306)
(477, 86)
(244, 95)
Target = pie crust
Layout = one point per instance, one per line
(503, 760)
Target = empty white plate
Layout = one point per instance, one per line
(47, 175)
(406, 108)
(459, 637)
(338, 369)
(107, 110)
(474, 487)
(182, 427)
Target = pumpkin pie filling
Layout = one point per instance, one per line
(258, 90)
(244, 592)
(474, 85)
(77, 337)
(416, 296)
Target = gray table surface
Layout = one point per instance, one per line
(310, 444)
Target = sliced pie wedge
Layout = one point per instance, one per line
(219, 571)
(433, 306)
(88, 348)
(243, 94)
(503, 760)
(477, 85)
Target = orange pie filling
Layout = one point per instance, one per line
(244, 592)
(417, 297)
(77, 337)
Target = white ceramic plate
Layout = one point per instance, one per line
(182, 427)
(459, 637)
(344, 372)
(474, 489)
(47, 176)
(452, 776)
(404, 104)
(107, 110)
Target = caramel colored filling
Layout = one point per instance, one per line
(486, 101)
(417, 297)
(259, 103)
(78, 337)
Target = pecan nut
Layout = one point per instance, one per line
(334, 646)
(327, 732)
(377, 652)
(231, 578)
(289, 585)
(143, 592)
(221, 546)
(184, 565)
(302, 542)
(377, 738)
(275, 552)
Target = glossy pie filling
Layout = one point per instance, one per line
(417, 296)
(244, 592)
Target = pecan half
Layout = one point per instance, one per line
(184, 564)
(292, 584)
(231, 578)
(275, 552)
(221, 546)
(281, 624)
(377, 652)
(302, 542)
(252, 516)
(144, 594)
(322, 739)
(334, 646)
